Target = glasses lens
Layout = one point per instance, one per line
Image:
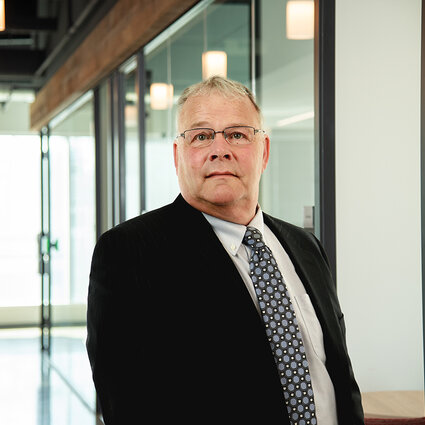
(199, 136)
(239, 135)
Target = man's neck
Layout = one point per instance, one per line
(238, 215)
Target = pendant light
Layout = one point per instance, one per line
(214, 62)
(161, 95)
(300, 19)
(2, 16)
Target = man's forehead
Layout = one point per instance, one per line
(205, 98)
(204, 108)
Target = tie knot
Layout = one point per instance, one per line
(253, 238)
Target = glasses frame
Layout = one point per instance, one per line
(214, 132)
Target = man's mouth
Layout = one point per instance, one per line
(220, 174)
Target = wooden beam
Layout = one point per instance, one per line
(128, 26)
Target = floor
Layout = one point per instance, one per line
(41, 389)
(37, 388)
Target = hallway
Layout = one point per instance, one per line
(38, 390)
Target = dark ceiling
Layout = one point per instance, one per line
(40, 35)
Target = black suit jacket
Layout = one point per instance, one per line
(173, 334)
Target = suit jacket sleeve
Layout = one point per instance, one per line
(113, 350)
(354, 398)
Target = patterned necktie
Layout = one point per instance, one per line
(282, 330)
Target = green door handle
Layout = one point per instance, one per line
(54, 244)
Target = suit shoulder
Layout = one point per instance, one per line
(144, 226)
(287, 228)
(292, 233)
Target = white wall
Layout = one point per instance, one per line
(378, 189)
(15, 118)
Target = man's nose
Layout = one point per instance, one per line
(220, 148)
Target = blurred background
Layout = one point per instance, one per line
(88, 95)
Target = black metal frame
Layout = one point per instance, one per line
(45, 242)
(118, 148)
(141, 121)
(120, 101)
(324, 87)
(117, 93)
(98, 176)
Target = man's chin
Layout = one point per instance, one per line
(225, 204)
(222, 196)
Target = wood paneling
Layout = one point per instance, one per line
(128, 26)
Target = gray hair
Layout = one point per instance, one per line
(221, 85)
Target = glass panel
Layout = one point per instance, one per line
(60, 219)
(132, 146)
(284, 88)
(20, 218)
(285, 91)
(161, 182)
(177, 62)
(73, 231)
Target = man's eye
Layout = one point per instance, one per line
(236, 135)
(201, 137)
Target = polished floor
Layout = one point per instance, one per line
(41, 389)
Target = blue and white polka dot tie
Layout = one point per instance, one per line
(282, 330)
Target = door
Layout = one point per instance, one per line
(72, 234)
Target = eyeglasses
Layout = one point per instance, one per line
(236, 135)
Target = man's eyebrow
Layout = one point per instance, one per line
(202, 124)
(205, 124)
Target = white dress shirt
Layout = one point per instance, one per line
(231, 236)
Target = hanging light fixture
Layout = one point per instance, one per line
(2, 16)
(214, 62)
(300, 19)
(161, 95)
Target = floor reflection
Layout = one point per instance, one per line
(38, 389)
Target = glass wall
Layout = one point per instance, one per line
(285, 91)
(131, 139)
(72, 157)
(278, 66)
(173, 61)
(20, 218)
(73, 234)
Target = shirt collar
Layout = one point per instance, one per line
(231, 234)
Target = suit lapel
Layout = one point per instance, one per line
(315, 276)
(311, 266)
(302, 259)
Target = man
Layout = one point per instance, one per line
(183, 323)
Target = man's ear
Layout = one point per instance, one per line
(175, 155)
(266, 151)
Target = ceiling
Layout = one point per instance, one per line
(40, 35)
